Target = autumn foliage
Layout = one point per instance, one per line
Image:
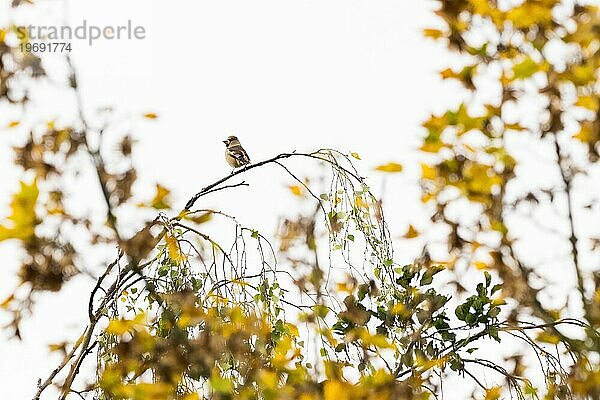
(197, 305)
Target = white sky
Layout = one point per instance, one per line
(281, 75)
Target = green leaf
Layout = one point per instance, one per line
(495, 288)
(427, 277)
(493, 332)
(494, 312)
(460, 312)
(488, 278)
(525, 68)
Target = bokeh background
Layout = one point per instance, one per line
(299, 75)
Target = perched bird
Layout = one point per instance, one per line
(235, 154)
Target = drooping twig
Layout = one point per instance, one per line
(94, 316)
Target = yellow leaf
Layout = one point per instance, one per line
(268, 379)
(360, 203)
(199, 219)
(296, 190)
(498, 302)
(411, 233)
(530, 13)
(57, 347)
(426, 364)
(161, 199)
(547, 337)
(150, 115)
(479, 180)
(589, 102)
(431, 147)
(587, 133)
(344, 287)
(582, 74)
(335, 390)
(139, 391)
(293, 329)
(173, 248)
(14, 124)
(23, 219)
(448, 73)
(514, 127)
(117, 327)
(433, 33)
(355, 155)
(465, 75)
(191, 396)
(485, 8)
(427, 172)
(480, 265)
(493, 393)
(6, 303)
(122, 326)
(390, 167)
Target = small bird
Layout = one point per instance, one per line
(235, 154)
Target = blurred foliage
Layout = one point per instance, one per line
(541, 58)
(197, 305)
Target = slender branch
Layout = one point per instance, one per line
(99, 284)
(567, 179)
(95, 155)
(43, 385)
(315, 155)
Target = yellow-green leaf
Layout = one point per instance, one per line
(23, 219)
(390, 167)
(220, 384)
(526, 68)
(547, 337)
(173, 248)
(199, 219)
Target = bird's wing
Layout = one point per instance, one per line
(239, 153)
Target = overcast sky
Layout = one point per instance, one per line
(281, 75)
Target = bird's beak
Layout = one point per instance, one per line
(225, 141)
